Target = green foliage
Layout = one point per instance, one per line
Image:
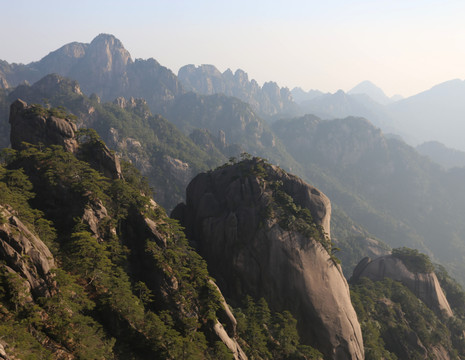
(221, 352)
(389, 315)
(59, 112)
(294, 217)
(96, 287)
(87, 257)
(100, 292)
(267, 335)
(68, 323)
(159, 139)
(21, 343)
(133, 177)
(14, 290)
(414, 260)
(16, 191)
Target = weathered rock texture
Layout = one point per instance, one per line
(25, 254)
(29, 125)
(425, 286)
(250, 253)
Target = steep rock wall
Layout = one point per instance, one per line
(250, 253)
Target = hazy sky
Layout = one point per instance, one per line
(402, 46)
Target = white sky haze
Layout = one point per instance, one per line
(402, 46)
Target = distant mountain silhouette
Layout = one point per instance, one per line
(341, 105)
(436, 114)
(442, 155)
(268, 100)
(374, 92)
(103, 67)
(299, 95)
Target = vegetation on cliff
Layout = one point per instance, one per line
(102, 305)
(267, 335)
(415, 261)
(396, 325)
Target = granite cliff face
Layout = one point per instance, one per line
(424, 285)
(267, 100)
(239, 219)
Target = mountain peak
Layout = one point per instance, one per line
(374, 92)
(108, 40)
(105, 37)
(112, 48)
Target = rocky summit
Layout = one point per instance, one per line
(267, 233)
(37, 125)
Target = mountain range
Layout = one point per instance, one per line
(256, 226)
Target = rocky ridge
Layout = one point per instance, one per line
(268, 100)
(103, 67)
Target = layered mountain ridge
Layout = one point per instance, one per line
(103, 67)
(380, 188)
(268, 100)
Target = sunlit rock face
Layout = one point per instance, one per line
(229, 217)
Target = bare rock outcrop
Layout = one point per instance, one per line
(249, 252)
(101, 158)
(25, 254)
(33, 127)
(36, 125)
(424, 285)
